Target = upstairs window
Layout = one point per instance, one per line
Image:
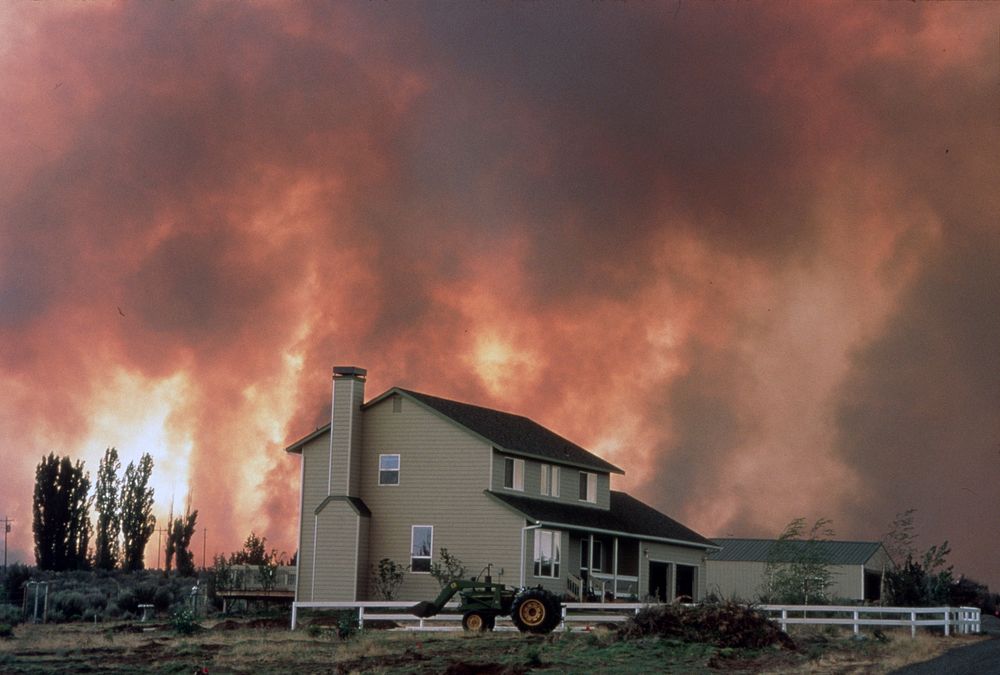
(548, 545)
(588, 487)
(550, 480)
(421, 545)
(388, 469)
(513, 473)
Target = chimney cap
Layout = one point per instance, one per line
(349, 371)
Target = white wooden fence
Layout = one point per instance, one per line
(586, 614)
(963, 619)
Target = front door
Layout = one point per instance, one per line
(659, 580)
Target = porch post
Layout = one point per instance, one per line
(590, 564)
(614, 571)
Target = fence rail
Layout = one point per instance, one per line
(963, 620)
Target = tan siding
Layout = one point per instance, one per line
(336, 559)
(735, 580)
(746, 580)
(346, 429)
(315, 459)
(847, 582)
(363, 569)
(444, 471)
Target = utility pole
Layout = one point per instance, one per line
(159, 537)
(6, 529)
(204, 542)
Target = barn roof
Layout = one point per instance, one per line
(762, 550)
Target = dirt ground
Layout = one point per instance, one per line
(269, 647)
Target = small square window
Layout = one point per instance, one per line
(388, 469)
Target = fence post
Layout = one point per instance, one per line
(913, 624)
(947, 621)
(856, 626)
(361, 618)
(562, 623)
(295, 613)
(784, 619)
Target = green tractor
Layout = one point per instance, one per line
(533, 610)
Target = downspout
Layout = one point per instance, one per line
(524, 530)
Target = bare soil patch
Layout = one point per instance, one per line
(263, 647)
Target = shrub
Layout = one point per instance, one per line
(387, 577)
(13, 583)
(127, 602)
(725, 625)
(6, 630)
(10, 614)
(69, 605)
(183, 622)
(163, 598)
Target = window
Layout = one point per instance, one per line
(588, 487)
(388, 469)
(550, 480)
(598, 555)
(548, 544)
(513, 473)
(421, 545)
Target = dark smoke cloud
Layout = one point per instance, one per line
(730, 247)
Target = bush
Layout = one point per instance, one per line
(725, 625)
(127, 602)
(67, 605)
(183, 622)
(6, 630)
(163, 599)
(10, 614)
(13, 583)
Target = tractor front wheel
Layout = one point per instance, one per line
(478, 622)
(533, 612)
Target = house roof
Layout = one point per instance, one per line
(627, 516)
(513, 433)
(830, 552)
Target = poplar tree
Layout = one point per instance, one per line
(137, 520)
(107, 548)
(179, 541)
(61, 514)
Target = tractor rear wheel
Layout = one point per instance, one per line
(478, 622)
(533, 612)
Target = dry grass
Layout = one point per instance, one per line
(870, 656)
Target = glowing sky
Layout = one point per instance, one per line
(747, 251)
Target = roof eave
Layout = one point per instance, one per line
(296, 447)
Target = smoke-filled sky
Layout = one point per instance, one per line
(750, 252)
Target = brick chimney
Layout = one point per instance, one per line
(345, 430)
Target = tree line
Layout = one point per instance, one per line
(123, 503)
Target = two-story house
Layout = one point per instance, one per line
(406, 474)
